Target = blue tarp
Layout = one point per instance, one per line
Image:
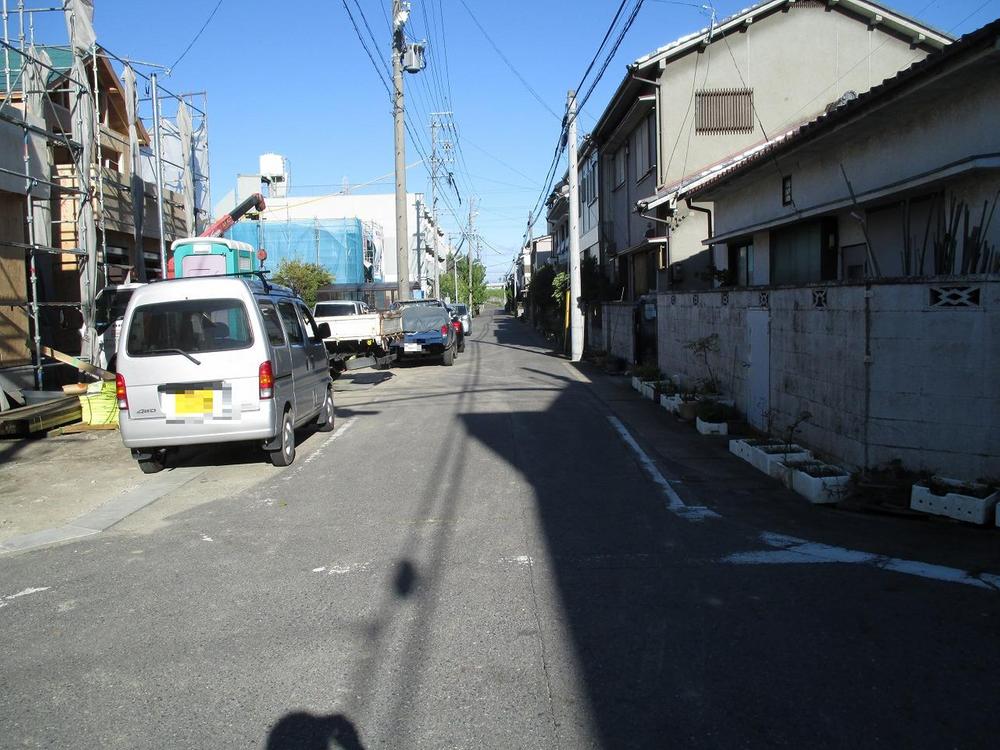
(335, 244)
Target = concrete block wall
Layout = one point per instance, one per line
(818, 366)
(686, 317)
(935, 400)
(618, 330)
(930, 397)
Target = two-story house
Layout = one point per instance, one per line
(705, 97)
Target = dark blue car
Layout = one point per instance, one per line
(428, 333)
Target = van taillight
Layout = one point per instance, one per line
(444, 330)
(265, 380)
(120, 391)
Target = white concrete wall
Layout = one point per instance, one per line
(619, 331)
(931, 389)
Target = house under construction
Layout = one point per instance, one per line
(81, 156)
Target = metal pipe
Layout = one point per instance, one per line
(32, 266)
(158, 169)
(6, 54)
(207, 178)
(100, 168)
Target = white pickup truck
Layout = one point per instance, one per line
(359, 336)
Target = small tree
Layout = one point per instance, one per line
(304, 278)
(701, 349)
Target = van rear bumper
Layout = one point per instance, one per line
(159, 433)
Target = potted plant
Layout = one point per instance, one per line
(975, 502)
(712, 417)
(643, 376)
(817, 482)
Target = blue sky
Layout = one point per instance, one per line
(291, 77)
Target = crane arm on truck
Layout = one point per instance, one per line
(218, 227)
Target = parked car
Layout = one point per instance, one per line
(456, 323)
(465, 316)
(424, 301)
(427, 332)
(340, 307)
(216, 360)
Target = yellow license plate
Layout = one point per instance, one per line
(194, 402)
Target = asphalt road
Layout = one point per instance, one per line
(499, 554)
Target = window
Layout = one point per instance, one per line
(311, 330)
(641, 150)
(786, 190)
(723, 111)
(645, 147)
(191, 326)
(619, 167)
(272, 325)
(292, 325)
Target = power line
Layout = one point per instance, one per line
(198, 35)
(508, 63)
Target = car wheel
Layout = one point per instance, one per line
(327, 416)
(286, 451)
(448, 358)
(154, 464)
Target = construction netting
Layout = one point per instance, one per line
(342, 246)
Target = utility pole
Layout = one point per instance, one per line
(434, 166)
(575, 313)
(471, 235)
(454, 266)
(420, 252)
(399, 18)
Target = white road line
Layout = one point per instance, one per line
(799, 551)
(26, 592)
(338, 433)
(674, 503)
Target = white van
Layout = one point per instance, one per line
(220, 359)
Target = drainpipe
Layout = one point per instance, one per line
(642, 209)
(711, 231)
(706, 211)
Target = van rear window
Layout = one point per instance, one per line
(195, 325)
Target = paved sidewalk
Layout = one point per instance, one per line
(48, 482)
(708, 475)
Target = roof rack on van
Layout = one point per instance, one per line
(236, 274)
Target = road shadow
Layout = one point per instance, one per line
(673, 647)
(305, 731)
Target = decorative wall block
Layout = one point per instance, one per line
(819, 298)
(954, 296)
(763, 299)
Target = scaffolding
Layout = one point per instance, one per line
(77, 127)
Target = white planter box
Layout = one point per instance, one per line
(636, 383)
(740, 449)
(772, 464)
(817, 490)
(955, 505)
(711, 428)
(648, 391)
(671, 403)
